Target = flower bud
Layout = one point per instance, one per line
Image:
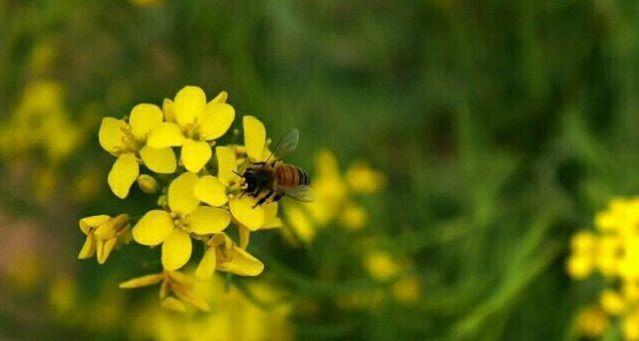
(148, 184)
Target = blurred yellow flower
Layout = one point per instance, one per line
(191, 123)
(233, 316)
(40, 122)
(381, 266)
(127, 141)
(592, 322)
(334, 197)
(612, 250)
(184, 216)
(102, 233)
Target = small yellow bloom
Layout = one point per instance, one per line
(612, 302)
(191, 123)
(128, 142)
(226, 188)
(184, 216)
(176, 290)
(592, 322)
(579, 266)
(102, 233)
(406, 290)
(363, 179)
(222, 254)
(381, 266)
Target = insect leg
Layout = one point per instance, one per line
(264, 198)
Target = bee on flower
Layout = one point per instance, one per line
(198, 197)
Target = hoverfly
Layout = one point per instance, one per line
(273, 179)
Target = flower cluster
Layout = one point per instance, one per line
(202, 196)
(612, 251)
(335, 197)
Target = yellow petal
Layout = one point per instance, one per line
(88, 249)
(161, 161)
(206, 267)
(144, 118)
(210, 190)
(171, 303)
(242, 263)
(123, 174)
(245, 236)
(254, 137)
(182, 200)
(208, 220)
(142, 281)
(185, 294)
(92, 221)
(154, 227)
(270, 216)
(220, 98)
(169, 112)
(217, 119)
(111, 134)
(189, 103)
(244, 211)
(104, 249)
(165, 135)
(226, 164)
(176, 250)
(195, 154)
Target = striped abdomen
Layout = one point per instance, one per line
(291, 176)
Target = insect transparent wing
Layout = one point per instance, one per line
(287, 143)
(300, 193)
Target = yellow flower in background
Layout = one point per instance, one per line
(176, 290)
(335, 197)
(40, 122)
(233, 316)
(381, 266)
(191, 123)
(102, 233)
(612, 251)
(127, 141)
(592, 322)
(184, 216)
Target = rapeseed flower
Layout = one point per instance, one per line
(102, 233)
(192, 123)
(610, 250)
(127, 141)
(176, 290)
(172, 227)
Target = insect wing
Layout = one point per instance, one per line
(302, 193)
(287, 143)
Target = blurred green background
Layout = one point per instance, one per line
(501, 127)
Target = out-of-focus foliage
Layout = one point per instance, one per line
(499, 127)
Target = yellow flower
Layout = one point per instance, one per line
(127, 141)
(226, 188)
(406, 289)
(363, 179)
(102, 233)
(191, 124)
(176, 290)
(381, 266)
(612, 302)
(592, 322)
(222, 254)
(184, 216)
(234, 316)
